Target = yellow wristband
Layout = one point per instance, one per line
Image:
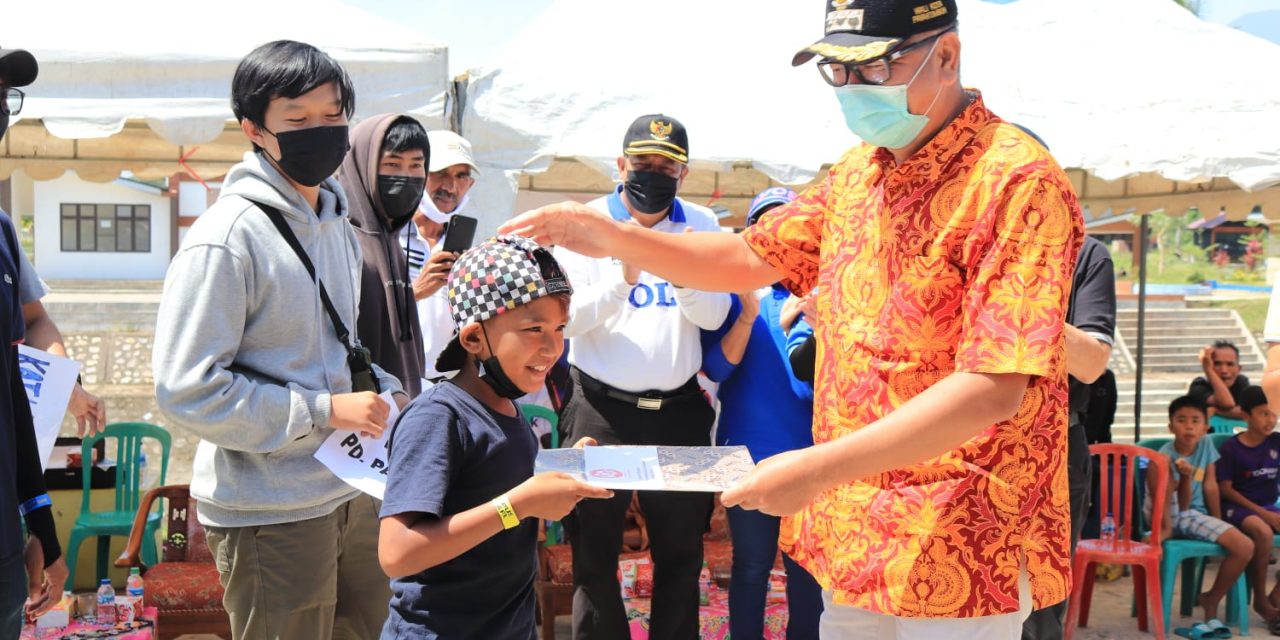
(508, 514)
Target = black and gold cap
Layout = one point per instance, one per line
(863, 30)
(658, 134)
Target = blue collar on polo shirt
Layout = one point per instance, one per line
(619, 210)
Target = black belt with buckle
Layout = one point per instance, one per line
(651, 400)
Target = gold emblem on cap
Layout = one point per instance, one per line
(660, 130)
(839, 19)
(840, 5)
(853, 54)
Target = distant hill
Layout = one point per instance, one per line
(1264, 24)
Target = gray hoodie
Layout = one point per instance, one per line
(245, 356)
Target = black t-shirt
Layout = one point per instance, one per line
(1202, 390)
(1092, 307)
(449, 453)
(20, 474)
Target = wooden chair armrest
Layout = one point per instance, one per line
(544, 562)
(131, 557)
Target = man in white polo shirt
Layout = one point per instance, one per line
(635, 351)
(450, 175)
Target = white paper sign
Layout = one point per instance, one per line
(49, 380)
(658, 468)
(623, 467)
(358, 460)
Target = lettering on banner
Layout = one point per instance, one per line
(33, 374)
(355, 450)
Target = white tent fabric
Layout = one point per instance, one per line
(1116, 88)
(174, 69)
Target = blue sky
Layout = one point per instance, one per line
(1226, 11)
(475, 30)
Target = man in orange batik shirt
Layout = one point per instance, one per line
(934, 501)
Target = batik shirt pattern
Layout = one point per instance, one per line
(958, 260)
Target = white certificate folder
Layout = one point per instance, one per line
(650, 468)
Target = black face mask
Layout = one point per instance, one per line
(308, 156)
(651, 192)
(400, 196)
(492, 374)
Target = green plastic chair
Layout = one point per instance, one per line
(1219, 424)
(530, 412)
(119, 521)
(1191, 555)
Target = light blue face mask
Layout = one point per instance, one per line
(878, 114)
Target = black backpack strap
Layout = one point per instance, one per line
(286, 232)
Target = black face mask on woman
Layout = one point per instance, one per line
(651, 192)
(308, 156)
(400, 196)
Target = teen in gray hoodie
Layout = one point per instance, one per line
(247, 358)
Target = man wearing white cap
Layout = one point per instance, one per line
(450, 175)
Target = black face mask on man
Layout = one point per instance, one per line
(400, 196)
(651, 192)
(308, 156)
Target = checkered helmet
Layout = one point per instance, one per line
(493, 278)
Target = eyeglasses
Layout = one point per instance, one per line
(11, 101)
(877, 72)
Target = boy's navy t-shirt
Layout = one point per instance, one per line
(449, 453)
(1252, 471)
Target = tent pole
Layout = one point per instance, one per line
(1142, 328)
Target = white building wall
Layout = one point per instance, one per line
(194, 200)
(52, 262)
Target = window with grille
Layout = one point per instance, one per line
(106, 227)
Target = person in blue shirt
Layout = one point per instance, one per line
(765, 408)
(1198, 512)
(32, 570)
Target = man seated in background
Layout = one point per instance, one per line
(1222, 384)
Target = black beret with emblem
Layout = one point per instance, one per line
(863, 30)
(658, 134)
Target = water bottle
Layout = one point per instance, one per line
(106, 603)
(143, 481)
(1108, 528)
(134, 586)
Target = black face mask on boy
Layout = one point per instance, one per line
(492, 374)
(308, 156)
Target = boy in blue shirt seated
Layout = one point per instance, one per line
(1197, 512)
(459, 522)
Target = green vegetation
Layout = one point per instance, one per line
(1253, 311)
(1187, 271)
(26, 237)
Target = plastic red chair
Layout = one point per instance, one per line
(1117, 469)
